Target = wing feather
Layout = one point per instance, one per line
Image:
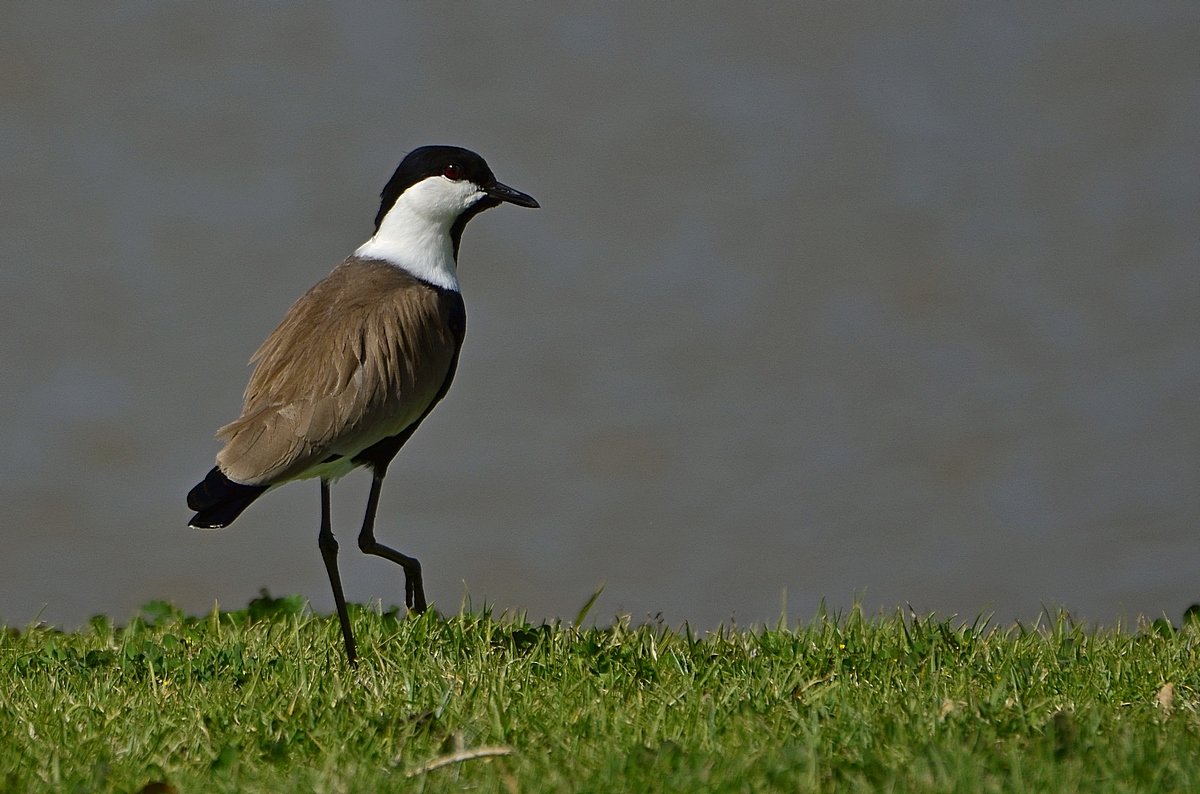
(356, 359)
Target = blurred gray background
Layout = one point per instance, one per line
(897, 303)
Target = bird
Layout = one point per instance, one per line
(359, 360)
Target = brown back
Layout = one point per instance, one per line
(356, 359)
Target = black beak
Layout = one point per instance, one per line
(505, 193)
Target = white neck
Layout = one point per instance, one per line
(415, 236)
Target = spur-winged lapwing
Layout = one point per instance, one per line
(360, 359)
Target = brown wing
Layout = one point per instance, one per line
(356, 359)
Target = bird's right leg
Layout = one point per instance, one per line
(414, 590)
(329, 549)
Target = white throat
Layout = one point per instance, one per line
(415, 233)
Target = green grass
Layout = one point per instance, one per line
(262, 700)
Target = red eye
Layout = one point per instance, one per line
(453, 172)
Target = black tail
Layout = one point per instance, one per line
(218, 500)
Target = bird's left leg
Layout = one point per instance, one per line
(329, 548)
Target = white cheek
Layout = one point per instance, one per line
(415, 233)
(441, 198)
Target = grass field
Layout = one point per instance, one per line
(261, 700)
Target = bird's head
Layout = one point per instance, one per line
(443, 184)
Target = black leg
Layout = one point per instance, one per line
(329, 550)
(414, 591)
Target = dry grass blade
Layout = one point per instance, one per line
(1165, 699)
(459, 757)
